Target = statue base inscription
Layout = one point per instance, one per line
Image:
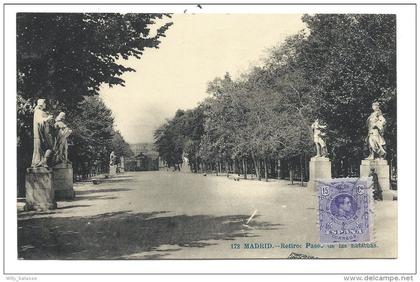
(319, 168)
(63, 182)
(112, 169)
(381, 168)
(39, 189)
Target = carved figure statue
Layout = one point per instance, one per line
(112, 158)
(375, 139)
(321, 146)
(43, 139)
(60, 145)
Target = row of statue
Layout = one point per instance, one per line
(375, 137)
(50, 137)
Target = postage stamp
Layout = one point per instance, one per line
(344, 210)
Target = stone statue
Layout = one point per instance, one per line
(61, 146)
(321, 146)
(43, 140)
(112, 158)
(375, 140)
(122, 164)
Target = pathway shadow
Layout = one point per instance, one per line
(94, 197)
(86, 194)
(72, 206)
(28, 214)
(91, 191)
(121, 234)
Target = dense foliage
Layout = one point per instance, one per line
(333, 71)
(65, 58)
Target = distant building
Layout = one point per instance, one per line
(145, 158)
(147, 162)
(144, 148)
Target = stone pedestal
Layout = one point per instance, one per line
(319, 168)
(122, 164)
(39, 189)
(382, 170)
(112, 170)
(63, 182)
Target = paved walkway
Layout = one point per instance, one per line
(174, 215)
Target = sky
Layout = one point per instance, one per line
(197, 48)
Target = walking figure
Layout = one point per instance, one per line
(377, 191)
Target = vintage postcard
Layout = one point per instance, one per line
(194, 135)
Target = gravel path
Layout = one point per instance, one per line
(174, 215)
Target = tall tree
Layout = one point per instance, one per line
(351, 62)
(181, 136)
(332, 71)
(92, 136)
(120, 146)
(65, 57)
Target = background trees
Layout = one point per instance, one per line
(333, 71)
(94, 137)
(67, 56)
(169, 140)
(180, 137)
(120, 146)
(351, 59)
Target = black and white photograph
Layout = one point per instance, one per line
(194, 135)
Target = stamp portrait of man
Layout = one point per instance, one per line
(344, 207)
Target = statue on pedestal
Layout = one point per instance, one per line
(39, 177)
(113, 163)
(122, 164)
(43, 139)
(61, 146)
(112, 159)
(320, 165)
(375, 165)
(375, 140)
(321, 146)
(50, 176)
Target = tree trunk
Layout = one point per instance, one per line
(238, 166)
(256, 166)
(227, 168)
(301, 170)
(273, 169)
(291, 173)
(244, 163)
(278, 169)
(265, 170)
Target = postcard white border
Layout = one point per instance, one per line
(406, 158)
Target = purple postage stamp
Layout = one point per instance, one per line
(344, 210)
